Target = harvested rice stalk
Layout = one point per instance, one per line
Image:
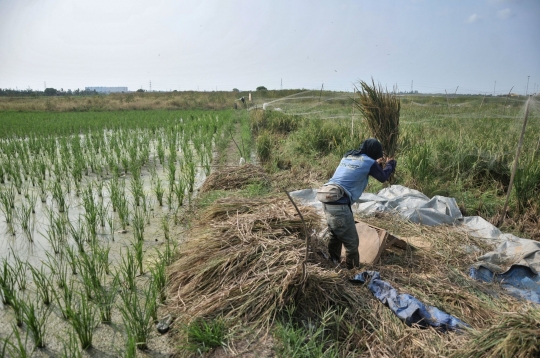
(516, 335)
(381, 111)
(234, 178)
(248, 266)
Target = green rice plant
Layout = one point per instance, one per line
(35, 319)
(19, 348)
(16, 302)
(83, 319)
(64, 299)
(72, 259)
(160, 151)
(102, 214)
(205, 335)
(159, 190)
(91, 212)
(138, 250)
(137, 315)
(138, 224)
(171, 175)
(123, 212)
(127, 270)
(79, 234)
(168, 253)
(170, 200)
(58, 196)
(115, 189)
(159, 278)
(130, 349)
(2, 174)
(7, 203)
(179, 191)
(165, 227)
(110, 222)
(61, 273)
(32, 199)
(189, 175)
(125, 163)
(42, 190)
(57, 231)
(43, 284)
(105, 298)
(67, 184)
(380, 109)
(102, 254)
(19, 271)
(26, 220)
(136, 189)
(92, 273)
(70, 346)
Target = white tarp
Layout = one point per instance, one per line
(416, 207)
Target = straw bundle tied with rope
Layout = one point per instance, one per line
(244, 262)
(381, 112)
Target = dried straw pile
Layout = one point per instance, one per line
(234, 178)
(243, 261)
(381, 111)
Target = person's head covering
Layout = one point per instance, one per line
(370, 147)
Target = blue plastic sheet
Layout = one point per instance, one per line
(408, 308)
(520, 281)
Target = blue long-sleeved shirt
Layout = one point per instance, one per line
(352, 175)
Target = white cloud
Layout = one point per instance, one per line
(473, 18)
(504, 14)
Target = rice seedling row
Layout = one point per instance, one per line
(63, 199)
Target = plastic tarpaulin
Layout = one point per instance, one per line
(408, 308)
(409, 203)
(501, 265)
(515, 264)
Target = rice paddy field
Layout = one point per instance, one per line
(104, 231)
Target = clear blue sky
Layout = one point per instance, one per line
(226, 44)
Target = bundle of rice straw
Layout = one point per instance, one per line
(381, 111)
(516, 335)
(234, 178)
(244, 263)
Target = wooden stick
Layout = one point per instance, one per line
(304, 263)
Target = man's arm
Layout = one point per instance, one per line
(380, 174)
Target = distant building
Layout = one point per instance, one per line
(107, 89)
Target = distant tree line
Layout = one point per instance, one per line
(9, 92)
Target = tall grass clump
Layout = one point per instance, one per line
(527, 186)
(381, 112)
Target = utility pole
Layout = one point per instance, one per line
(150, 86)
(527, 90)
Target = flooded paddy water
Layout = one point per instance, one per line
(88, 224)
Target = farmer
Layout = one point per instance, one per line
(344, 188)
